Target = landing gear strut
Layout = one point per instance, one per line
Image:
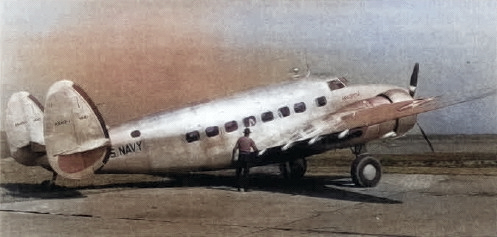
(365, 169)
(49, 184)
(294, 170)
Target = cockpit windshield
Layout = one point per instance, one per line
(337, 83)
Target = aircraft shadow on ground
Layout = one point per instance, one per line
(316, 186)
(38, 191)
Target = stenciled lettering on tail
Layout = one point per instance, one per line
(126, 149)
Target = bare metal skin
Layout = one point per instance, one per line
(289, 121)
(162, 145)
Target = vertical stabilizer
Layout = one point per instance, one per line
(77, 140)
(24, 129)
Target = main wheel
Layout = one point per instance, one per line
(294, 169)
(47, 185)
(365, 171)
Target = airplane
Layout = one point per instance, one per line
(290, 121)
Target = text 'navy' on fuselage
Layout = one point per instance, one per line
(126, 149)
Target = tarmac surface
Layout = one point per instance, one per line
(207, 205)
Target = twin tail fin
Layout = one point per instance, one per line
(76, 137)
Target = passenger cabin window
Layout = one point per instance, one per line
(192, 136)
(249, 121)
(321, 101)
(135, 133)
(212, 131)
(284, 111)
(299, 107)
(231, 126)
(335, 84)
(267, 116)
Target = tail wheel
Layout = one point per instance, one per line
(365, 171)
(294, 169)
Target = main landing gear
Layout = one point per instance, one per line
(49, 184)
(365, 169)
(293, 170)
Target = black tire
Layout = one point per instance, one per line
(294, 170)
(47, 185)
(365, 171)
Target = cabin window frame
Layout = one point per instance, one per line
(249, 121)
(231, 126)
(192, 136)
(284, 112)
(135, 133)
(212, 131)
(321, 101)
(299, 107)
(267, 116)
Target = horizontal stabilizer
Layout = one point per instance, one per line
(77, 140)
(24, 129)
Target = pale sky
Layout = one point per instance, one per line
(376, 41)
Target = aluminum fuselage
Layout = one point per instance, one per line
(157, 143)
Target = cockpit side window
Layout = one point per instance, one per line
(335, 85)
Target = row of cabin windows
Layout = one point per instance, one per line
(250, 121)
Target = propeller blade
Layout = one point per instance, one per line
(426, 137)
(414, 80)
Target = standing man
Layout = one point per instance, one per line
(244, 145)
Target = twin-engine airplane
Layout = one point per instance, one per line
(289, 122)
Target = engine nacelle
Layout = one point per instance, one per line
(404, 124)
(392, 128)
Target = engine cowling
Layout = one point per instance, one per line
(404, 124)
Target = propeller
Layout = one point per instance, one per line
(413, 84)
(425, 137)
(414, 80)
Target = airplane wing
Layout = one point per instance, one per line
(382, 113)
(347, 119)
